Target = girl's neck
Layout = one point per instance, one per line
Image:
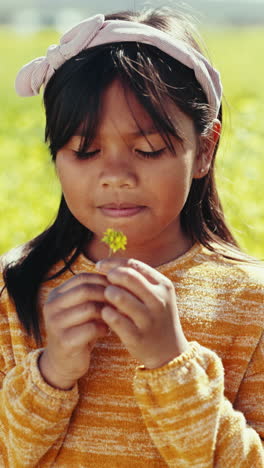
(154, 255)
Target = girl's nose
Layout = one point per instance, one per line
(118, 175)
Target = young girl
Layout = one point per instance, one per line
(152, 357)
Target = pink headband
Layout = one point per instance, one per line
(95, 31)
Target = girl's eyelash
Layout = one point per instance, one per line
(151, 154)
(145, 154)
(85, 155)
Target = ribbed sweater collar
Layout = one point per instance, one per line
(180, 261)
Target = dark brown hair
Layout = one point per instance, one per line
(72, 100)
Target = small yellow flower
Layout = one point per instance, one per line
(115, 239)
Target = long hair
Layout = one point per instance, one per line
(72, 99)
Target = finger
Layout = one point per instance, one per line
(120, 324)
(151, 274)
(81, 335)
(128, 305)
(77, 295)
(106, 264)
(134, 282)
(77, 315)
(82, 278)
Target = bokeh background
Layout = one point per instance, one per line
(233, 31)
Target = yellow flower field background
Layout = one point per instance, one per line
(29, 191)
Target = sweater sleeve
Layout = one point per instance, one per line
(250, 398)
(33, 416)
(190, 420)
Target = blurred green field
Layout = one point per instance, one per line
(28, 187)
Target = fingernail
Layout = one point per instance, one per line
(103, 266)
(99, 265)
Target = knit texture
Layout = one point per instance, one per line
(203, 409)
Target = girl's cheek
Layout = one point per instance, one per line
(64, 164)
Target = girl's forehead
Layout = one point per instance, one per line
(120, 111)
(121, 104)
(122, 115)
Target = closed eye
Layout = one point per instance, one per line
(151, 154)
(144, 154)
(86, 155)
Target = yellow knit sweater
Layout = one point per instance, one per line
(204, 409)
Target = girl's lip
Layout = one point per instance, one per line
(115, 211)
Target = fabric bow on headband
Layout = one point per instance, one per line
(96, 31)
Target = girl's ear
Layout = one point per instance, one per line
(206, 150)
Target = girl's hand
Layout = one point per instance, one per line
(72, 315)
(143, 311)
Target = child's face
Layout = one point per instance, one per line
(120, 187)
